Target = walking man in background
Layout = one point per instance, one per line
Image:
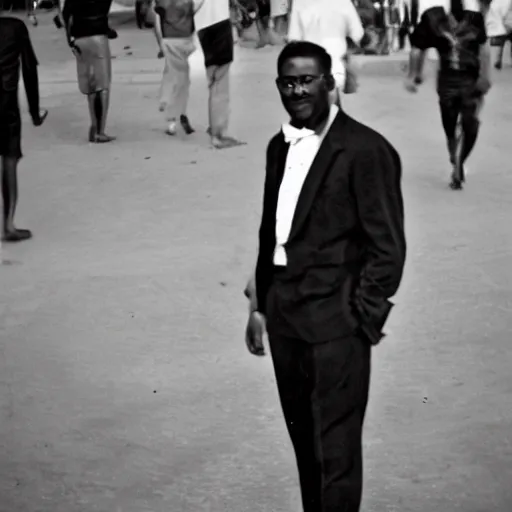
(174, 29)
(15, 48)
(331, 255)
(213, 25)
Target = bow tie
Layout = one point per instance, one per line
(293, 135)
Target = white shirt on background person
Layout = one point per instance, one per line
(327, 23)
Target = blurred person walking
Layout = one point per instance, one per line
(213, 25)
(329, 24)
(174, 29)
(15, 49)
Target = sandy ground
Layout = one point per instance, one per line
(125, 385)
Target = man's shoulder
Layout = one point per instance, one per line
(12, 23)
(275, 142)
(362, 138)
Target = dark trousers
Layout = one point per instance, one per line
(465, 101)
(323, 390)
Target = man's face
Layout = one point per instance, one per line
(304, 90)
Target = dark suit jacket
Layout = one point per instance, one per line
(346, 250)
(16, 48)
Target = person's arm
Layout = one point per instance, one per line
(377, 186)
(259, 285)
(264, 263)
(68, 14)
(67, 17)
(157, 28)
(484, 79)
(29, 65)
(295, 30)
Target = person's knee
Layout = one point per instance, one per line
(470, 123)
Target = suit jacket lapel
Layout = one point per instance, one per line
(278, 163)
(329, 149)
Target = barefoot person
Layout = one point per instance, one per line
(15, 47)
(174, 30)
(87, 28)
(331, 255)
(213, 24)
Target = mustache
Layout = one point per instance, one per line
(300, 97)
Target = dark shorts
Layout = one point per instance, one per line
(460, 97)
(10, 125)
(499, 41)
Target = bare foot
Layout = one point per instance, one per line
(410, 85)
(226, 142)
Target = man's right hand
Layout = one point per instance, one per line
(254, 334)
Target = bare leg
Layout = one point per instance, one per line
(416, 65)
(93, 130)
(218, 107)
(275, 30)
(184, 97)
(101, 103)
(10, 200)
(262, 33)
(499, 57)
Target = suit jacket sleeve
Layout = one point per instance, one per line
(29, 69)
(377, 184)
(264, 265)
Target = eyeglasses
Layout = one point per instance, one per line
(288, 84)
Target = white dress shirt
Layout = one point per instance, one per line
(298, 162)
(327, 23)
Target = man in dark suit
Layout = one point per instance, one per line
(15, 47)
(331, 254)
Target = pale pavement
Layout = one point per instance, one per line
(125, 384)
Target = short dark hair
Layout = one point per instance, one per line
(305, 49)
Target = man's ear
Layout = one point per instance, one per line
(330, 82)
